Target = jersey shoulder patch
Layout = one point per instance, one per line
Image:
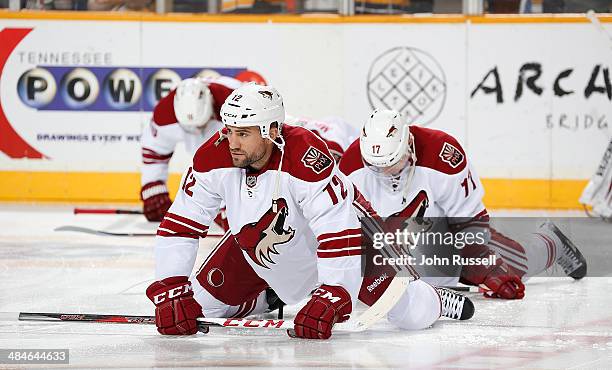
(351, 159)
(438, 150)
(163, 113)
(212, 154)
(307, 155)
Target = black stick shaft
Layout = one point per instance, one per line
(118, 319)
(116, 211)
(95, 318)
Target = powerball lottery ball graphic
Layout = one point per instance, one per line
(122, 88)
(207, 73)
(80, 88)
(36, 87)
(250, 76)
(160, 83)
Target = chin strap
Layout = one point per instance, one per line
(281, 146)
(222, 136)
(412, 163)
(407, 185)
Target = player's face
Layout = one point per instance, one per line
(392, 171)
(247, 147)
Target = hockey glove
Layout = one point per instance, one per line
(500, 281)
(156, 201)
(175, 309)
(328, 305)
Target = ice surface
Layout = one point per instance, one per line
(560, 323)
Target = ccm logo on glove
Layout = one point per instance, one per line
(327, 295)
(172, 293)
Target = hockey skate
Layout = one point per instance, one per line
(274, 302)
(454, 305)
(569, 257)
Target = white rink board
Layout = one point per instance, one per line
(329, 69)
(527, 137)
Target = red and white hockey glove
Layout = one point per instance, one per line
(175, 309)
(500, 281)
(328, 305)
(156, 200)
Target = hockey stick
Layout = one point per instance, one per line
(592, 17)
(78, 211)
(87, 230)
(471, 289)
(361, 323)
(203, 323)
(396, 288)
(113, 319)
(98, 232)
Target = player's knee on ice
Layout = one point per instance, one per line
(417, 309)
(213, 307)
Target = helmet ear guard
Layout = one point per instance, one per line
(193, 104)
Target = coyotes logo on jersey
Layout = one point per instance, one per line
(259, 239)
(316, 160)
(451, 155)
(415, 209)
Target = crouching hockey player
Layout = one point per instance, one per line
(410, 171)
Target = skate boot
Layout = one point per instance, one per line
(454, 305)
(274, 302)
(569, 257)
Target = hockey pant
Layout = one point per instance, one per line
(227, 286)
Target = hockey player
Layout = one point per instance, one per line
(337, 133)
(292, 222)
(188, 114)
(409, 171)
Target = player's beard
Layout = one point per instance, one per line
(249, 159)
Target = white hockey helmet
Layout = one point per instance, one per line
(385, 140)
(193, 104)
(254, 105)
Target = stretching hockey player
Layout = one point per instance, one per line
(337, 133)
(293, 228)
(188, 114)
(409, 171)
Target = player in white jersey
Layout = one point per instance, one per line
(336, 132)
(410, 171)
(292, 222)
(188, 114)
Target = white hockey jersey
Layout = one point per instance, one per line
(444, 183)
(162, 134)
(337, 133)
(312, 237)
